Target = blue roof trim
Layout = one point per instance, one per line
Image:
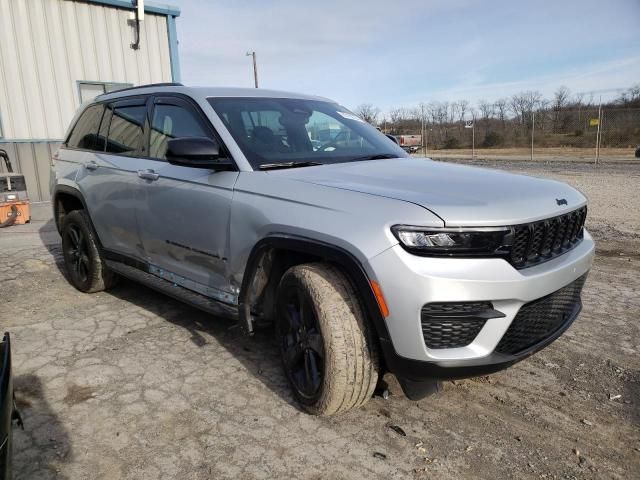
(174, 58)
(5, 141)
(148, 7)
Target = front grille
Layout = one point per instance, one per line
(538, 320)
(454, 324)
(537, 242)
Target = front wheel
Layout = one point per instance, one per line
(327, 352)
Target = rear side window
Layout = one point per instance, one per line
(85, 132)
(126, 129)
(172, 121)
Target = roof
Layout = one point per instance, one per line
(149, 7)
(206, 92)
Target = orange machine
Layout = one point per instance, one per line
(14, 202)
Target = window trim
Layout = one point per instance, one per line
(106, 103)
(176, 102)
(197, 110)
(148, 99)
(107, 108)
(142, 147)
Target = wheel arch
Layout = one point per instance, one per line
(65, 199)
(288, 251)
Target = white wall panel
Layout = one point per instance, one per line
(47, 46)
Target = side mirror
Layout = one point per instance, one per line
(197, 152)
(392, 138)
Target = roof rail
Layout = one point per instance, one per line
(165, 84)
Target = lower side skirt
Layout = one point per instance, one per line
(194, 299)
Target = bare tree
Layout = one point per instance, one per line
(534, 100)
(487, 109)
(452, 111)
(630, 97)
(518, 105)
(395, 115)
(463, 106)
(501, 107)
(368, 113)
(561, 98)
(523, 104)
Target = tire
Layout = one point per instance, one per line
(327, 351)
(85, 268)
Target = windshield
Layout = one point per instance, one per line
(305, 132)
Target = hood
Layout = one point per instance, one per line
(460, 195)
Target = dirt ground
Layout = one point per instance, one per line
(554, 154)
(132, 384)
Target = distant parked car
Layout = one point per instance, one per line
(410, 143)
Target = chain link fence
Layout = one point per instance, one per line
(585, 132)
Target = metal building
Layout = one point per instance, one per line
(57, 54)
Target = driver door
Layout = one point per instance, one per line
(184, 214)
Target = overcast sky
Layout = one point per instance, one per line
(400, 53)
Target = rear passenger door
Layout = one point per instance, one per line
(184, 218)
(109, 179)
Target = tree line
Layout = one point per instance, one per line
(565, 119)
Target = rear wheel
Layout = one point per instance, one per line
(85, 267)
(327, 353)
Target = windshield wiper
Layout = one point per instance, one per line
(379, 156)
(273, 166)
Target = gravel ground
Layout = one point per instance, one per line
(131, 384)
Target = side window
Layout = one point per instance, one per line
(172, 121)
(126, 129)
(85, 133)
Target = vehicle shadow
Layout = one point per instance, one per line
(44, 444)
(51, 240)
(258, 354)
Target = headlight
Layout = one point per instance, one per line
(454, 241)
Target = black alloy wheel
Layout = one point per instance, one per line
(76, 253)
(301, 343)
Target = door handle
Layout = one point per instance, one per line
(91, 165)
(148, 175)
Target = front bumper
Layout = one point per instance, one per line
(408, 282)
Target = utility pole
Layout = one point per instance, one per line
(255, 67)
(424, 143)
(472, 125)
(533, 128)
(598, 133)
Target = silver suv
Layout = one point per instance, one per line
(272, 207)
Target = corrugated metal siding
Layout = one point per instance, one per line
(32, 160)
(47, 46)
